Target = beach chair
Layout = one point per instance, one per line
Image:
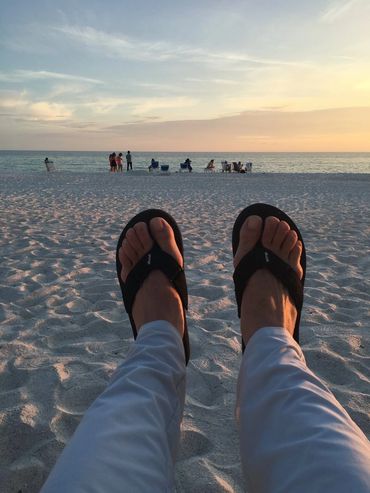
(183, 167)
(248, 167)
(165, 169)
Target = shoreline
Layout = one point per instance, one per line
(145, 172)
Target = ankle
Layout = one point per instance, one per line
(158, 300)
(266, 305)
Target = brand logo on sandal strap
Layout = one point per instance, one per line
(267, 258)
(149, 259)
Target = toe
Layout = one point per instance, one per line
(143, 236)
(281, 232)
(295, 258)
(125, 262)
(250, 233)
(129, 251)
(134, 241)
(289, 243)
(271, 223)
(164, 236)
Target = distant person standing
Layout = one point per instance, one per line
(119, 162)
(48, 164)
(112, 162)
(129, 160)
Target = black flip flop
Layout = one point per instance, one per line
(262, 258)
(155, 259)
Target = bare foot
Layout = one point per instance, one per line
(157, 299)
(266, 302)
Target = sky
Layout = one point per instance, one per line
(200, 75)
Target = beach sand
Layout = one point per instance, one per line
(63, 328)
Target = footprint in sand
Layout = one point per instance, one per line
(193, 443)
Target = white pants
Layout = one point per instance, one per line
(295, 437)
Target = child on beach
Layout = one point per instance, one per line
(119, 162)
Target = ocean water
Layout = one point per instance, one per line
(33, 161)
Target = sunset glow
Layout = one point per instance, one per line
(257, 76)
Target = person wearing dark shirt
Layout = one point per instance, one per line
(129, 160)
(188, 162)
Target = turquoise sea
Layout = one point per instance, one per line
(82, 161)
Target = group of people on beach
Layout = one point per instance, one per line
(115, 161)
(236, 167)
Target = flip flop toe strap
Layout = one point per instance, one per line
(155, 259)
(261, 258)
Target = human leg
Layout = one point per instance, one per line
(294, 434)
(128, 438)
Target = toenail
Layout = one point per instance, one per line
(158, 224)
(253, 222)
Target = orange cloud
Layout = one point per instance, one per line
(341, 129)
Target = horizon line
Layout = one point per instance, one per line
(190, 151)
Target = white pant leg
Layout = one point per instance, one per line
(295, 436)
(127, 440)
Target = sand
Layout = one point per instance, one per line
(63, 329)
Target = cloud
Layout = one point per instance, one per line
(22, 107)
(106, 105)
(12, 102)
(21, 75)
(345, 129)
(337, 10)
(341, 129)
(118, 46)
(225, 82)
(158, 87)
(139, 106)
(82, 90)
(146, 105)
(49, 111)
